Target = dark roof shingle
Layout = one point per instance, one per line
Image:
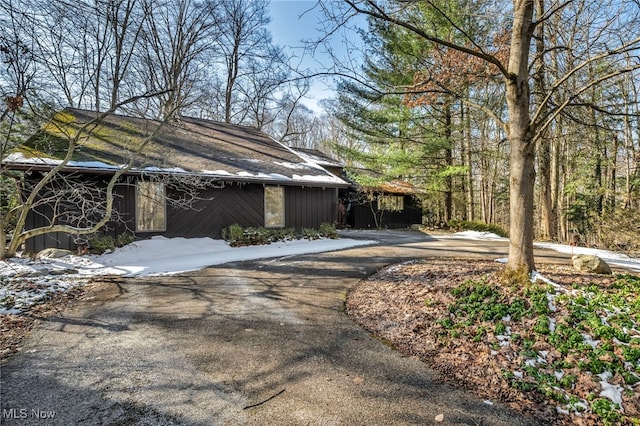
(190, 145)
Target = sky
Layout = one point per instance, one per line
(295, 21)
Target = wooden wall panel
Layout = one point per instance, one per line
(242, 204)
(310, 207)
(219, 208)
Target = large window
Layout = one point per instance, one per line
(150, 207)
(392, 203)
(274, 207)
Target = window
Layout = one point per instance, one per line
(150, 207)
(273, 207)
(394, 203)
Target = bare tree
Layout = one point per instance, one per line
(178, 36)
(245, 48)
(267, 80)
(31, 86)
(124, 24)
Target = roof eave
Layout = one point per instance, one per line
(218, 177)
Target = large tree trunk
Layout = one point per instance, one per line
(544, 155)
(522, 170)
(448, 192)
(466, 136)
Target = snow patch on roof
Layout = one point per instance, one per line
(326, 177)
(217, 172)
(295, 166)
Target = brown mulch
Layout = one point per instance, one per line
(400, 304)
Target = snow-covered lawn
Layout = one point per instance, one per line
(25, 282)
(612, 258)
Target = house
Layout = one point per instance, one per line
(190, 178)
(392, 204)
(395, 204)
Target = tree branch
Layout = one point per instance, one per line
(378, 13)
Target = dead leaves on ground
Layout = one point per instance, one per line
(401, 303)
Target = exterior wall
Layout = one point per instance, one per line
(305, 207)
(361, 215)
(242, 204)
(310, 207)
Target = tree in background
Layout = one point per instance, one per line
(395, 140)
(29, 94)
(176, 43)
(609, 34)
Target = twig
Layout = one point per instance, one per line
(262, 402)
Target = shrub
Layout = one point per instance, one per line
(256, 236)
(124, 239)
(102, 243)
(466, 225)
(236, 236)
(282, 234)
(328, 230)
(311, 234)
(233, 234)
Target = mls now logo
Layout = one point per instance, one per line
(23, 413)
(15, 413)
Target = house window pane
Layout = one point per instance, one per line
(150, 207)
(392, 203)
(273, 207)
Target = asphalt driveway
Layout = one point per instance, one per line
(261, 342)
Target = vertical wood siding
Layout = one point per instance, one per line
(219, 208)
(310, 207)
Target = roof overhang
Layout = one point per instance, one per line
(302, 181)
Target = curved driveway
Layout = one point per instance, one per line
(262, 342)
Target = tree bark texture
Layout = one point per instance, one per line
(521, 142)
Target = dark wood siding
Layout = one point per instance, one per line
(244, 205)
(218, 208)
(40, 218)
(122, 220)
(310, 207)
(361, 215)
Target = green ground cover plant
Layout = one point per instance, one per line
(578, 347)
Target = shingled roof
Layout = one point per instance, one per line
(189, 146)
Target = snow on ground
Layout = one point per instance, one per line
(476, 235)
(25, 282)
(612, 258)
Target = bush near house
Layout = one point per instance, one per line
(475, 225)
(99, 244)
(238, 236)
